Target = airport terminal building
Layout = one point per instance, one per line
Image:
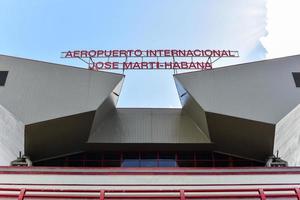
(222, 144)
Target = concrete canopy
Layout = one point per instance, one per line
(263, 91)
(162, 128)
(38, 91)
(242, 103)
(56, 103)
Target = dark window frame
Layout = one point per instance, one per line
(296, 76)
(3, 77)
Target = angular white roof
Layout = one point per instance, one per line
(262, 91)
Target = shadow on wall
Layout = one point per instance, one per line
(11, 137)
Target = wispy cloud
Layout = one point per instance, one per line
(283, 18)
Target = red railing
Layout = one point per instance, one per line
(238, 193)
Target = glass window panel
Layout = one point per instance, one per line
(111, 155)
(92, 164)
(76, 157)
(204, 164)
(296, 76)
(203, 155)
(167, 155)
(131, 155)
(111, 164)
(149, 155)
(185, 155)
(167, 163)
(149, 163)
(3, 76)
(221, 157)
(93, 156)
(222, 164)
(185, 163)
(131, 163)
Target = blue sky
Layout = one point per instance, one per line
(42, 29)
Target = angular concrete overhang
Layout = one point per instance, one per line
(147, 128)
(241, 105)
(56, 103)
